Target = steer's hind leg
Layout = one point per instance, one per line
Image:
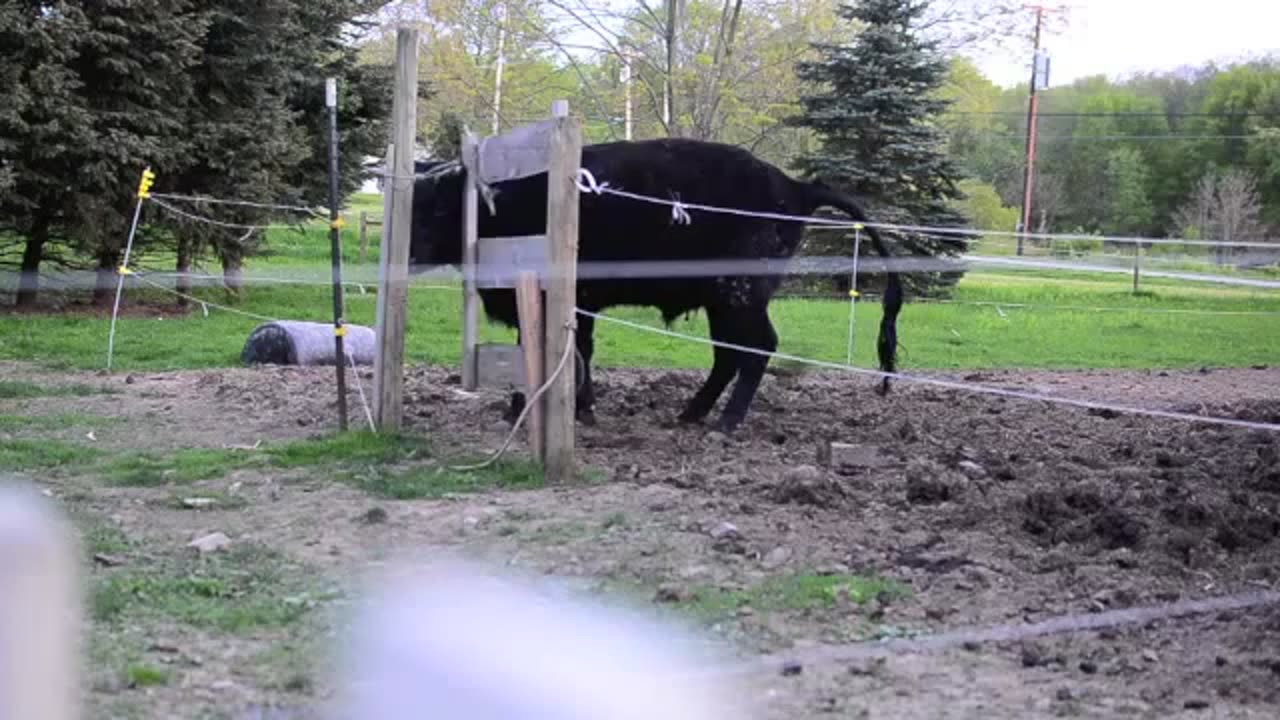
(749, 328)
(723, 368)
(585, 400)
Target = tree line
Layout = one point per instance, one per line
(874, 96)
(219, 97)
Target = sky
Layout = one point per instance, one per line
(1115, 37)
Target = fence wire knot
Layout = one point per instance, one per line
(587, 182)
(679, 213)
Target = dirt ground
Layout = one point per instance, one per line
(987, 510)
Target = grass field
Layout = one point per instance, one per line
(1065, 329)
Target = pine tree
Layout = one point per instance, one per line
(876, 113)
(43, 124)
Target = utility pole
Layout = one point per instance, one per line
(626, 81)
(502, 61)
(1037, 78)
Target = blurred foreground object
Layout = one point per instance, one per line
(40, 611)
(456, 643)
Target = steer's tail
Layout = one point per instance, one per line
(887, 344)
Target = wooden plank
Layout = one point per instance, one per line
(393, 293)
(384, 256)
(40, 608)
(502, 260)
(364, 235)
(470, 299)
(520, 152)
(529, 302)
(562, 236)
(499, 365)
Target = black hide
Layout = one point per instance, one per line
(621, 229)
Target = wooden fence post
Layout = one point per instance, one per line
(1137, 262)
(364, 235)
(393, 290)
(470, 250)
(529, 302)
(562, 238)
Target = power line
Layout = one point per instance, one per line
(1255, 136)
(1015, 113)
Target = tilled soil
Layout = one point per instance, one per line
(990, 510)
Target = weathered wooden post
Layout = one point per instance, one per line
(562, 289)
(364, 235)
(554, 147)
(388, 372)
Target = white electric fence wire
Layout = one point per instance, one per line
(963, 387)
(240, 203)
(587, 183)
(219, 223)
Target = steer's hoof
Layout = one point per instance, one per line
(727, 426)
(586, 417)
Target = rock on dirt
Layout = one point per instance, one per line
(929, 483)
(210, 543)
(807, 485)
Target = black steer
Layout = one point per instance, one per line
(615, 229)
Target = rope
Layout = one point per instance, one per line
(965, 387)
(570, 345)
(242, 203)
(587, 183)
(220, 223)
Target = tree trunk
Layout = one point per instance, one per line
(105, 286)
(183, 282)
(29, 280)
(231, 272)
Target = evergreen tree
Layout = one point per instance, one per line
(43, 124)
(131, 64)
(877, 114)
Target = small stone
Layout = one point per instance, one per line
(746, 611)
(1150, 656)
(374, 516)
(776, 558)
(106, 560)
(1220, 661)
(717, 437)
(725, 530)
(1065, 694)
(1196, 704)
(130, 379)
(972, 469)
(222, 685)
(210, 543)
(971, 645)
(195, 503)
(792, 667)
(1032, 656)
(1088, 667)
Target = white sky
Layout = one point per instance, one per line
(1116, 37)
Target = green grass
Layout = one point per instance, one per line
(43, 455)
(244, 588)
(436, 481)
(799, 592)
(16, 423)
(182, 467)
(14, 390)
(932, 336)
